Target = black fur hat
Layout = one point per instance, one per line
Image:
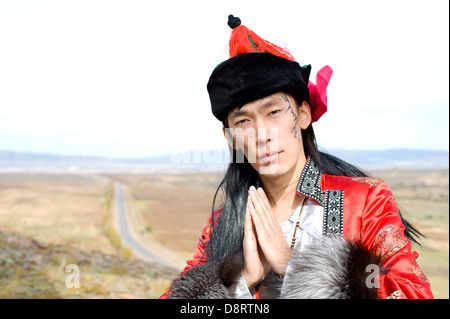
(251, 76)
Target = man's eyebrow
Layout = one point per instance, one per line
(263, 105)
(268, 103)
(238, 113)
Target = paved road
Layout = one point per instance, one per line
(124, 230)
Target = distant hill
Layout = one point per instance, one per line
(210, 160)
(36, 162)
(395, 158)
(11, 161)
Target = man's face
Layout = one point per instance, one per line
(268, 131)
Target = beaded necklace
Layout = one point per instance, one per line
(297, 225)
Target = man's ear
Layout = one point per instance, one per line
(229, 138)
(305, 118)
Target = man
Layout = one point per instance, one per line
(284, 198)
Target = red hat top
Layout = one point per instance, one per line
(244, 40)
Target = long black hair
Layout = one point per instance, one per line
(228, 227)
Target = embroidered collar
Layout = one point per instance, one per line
(332, 200)
(309, 182)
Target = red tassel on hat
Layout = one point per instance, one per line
(244, 40)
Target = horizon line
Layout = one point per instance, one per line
(168, 154)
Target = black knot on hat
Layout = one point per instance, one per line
(233, 22)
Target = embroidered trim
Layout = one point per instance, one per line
(331, 200)
(204, 238)
(309, 182)
(371, 181)
(389, 240)
(418, 272)
(208, 228)
(403, 280)
(395, 295)
(333, 215)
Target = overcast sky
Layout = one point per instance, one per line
(128, 78)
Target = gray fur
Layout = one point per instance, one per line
(319, 271)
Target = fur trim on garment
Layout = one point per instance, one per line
(210, 280)
(332, 268)
(329, 268)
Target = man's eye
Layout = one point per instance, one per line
(275, 112)
(241, 122)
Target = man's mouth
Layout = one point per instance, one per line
(269, 157)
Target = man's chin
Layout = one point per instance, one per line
(271, 169)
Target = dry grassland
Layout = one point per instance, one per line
(175, 207)
(49, 221)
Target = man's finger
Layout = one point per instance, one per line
(262, 205)
(264, 202)
(263, 197)
(260, 222)
(248, 226)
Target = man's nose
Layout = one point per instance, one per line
(265, 135)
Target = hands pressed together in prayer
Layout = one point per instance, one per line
(265, 246)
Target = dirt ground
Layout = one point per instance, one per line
(51, 221)
(175, 207)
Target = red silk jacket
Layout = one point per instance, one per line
(360, 208)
